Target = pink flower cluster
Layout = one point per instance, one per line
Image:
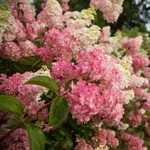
(64, 5)
(132, 46)
(135, 119)
(139, 62)
(13, 51)
(132, 142)
(104, 137)
(64, 71)
(58, 45)
(17, 142)
(10, 50)
(24, 6)
(83, 145)
(96, 91)
(111, 9)
(28, 49)
(14, 85)
(85, 100)
(101, 138)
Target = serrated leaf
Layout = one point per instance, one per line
(36, 138)
(58, 112)
(12, 121)
(11, 105)
(44, 81)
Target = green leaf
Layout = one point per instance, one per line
(37, 43)
(68, 83)
(11, 105)
(36, 138)
(114, 54)
(147, 144)
(36, 61)
(58, 112)
(139, 134)
(68, 143)
(18, 67)
(26, 60)
(12, 121)
(44, 81)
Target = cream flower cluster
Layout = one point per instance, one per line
(87, 36)
(80, 19)
(4, 18)
(102, 148)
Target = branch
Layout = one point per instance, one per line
(23, 121)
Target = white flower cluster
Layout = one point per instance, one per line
(123, 126)
(80, 19)
(102, 148)
(129, 95)
(54, 8)
(87, 36)
(136, 81)
(44, 71)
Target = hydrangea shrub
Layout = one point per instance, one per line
(72, 84)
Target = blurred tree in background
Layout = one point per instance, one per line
(37, 4)
(136, 13)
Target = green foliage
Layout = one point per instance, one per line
(37, 4)
(24, 64)
(58, 112)
(78, 5)
(147, 144)
(12, 121)
(79, 130)
(59, 141)
(132, 16)
(44, 81)
(11, 105)
(99, 19)
(65, 135)
(7, 67)
(36, 137)
(33, 62)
